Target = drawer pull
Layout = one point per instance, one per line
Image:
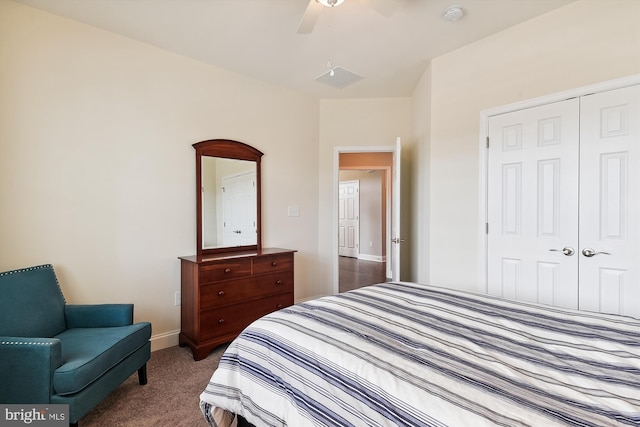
(279, 306)
(221, 293)
(220, 322)
(278, 282)
(273, 263)
(227, 270)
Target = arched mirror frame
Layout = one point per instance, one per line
(228, 149)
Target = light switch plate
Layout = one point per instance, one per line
(293, 211)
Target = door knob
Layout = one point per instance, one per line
(567, 250)
(588, 252)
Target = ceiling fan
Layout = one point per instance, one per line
(315, 7)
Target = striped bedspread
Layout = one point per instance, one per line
(404, 354)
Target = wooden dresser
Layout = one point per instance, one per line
(224, 293)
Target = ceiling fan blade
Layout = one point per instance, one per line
(385, 7)
(310, 17)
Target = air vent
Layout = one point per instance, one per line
(341, 78)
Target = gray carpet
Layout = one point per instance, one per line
(170, 398)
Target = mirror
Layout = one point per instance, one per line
(229, 215)
(227, 196)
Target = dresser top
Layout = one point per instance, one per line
(238, 254)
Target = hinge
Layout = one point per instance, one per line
(487, 142)
(486, 226)
(223, 189)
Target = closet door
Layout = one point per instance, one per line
(533, 204)
(610, 202)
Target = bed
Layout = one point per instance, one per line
(405, 354)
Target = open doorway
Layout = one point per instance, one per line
(361, 228)
(364, 203)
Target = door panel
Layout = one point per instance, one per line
(533, 204)
(349, 218)
(610, 201)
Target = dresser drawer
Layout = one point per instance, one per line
(268, 264)
(278, 282)
(233, 291)
(223, 270)
(234, 318)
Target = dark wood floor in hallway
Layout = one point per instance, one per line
(356, 273)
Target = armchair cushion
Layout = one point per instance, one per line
(90, 352)
(29, 308)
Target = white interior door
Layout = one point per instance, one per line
(239, 210)
(396, 240)
(349, 218)
(533, 204)
(610, 202)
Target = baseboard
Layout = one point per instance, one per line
(164, 340)
(170, 339)
(376, 258)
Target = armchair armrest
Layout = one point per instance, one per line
(26, 368)
(98, 315)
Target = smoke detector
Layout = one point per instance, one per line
(453, 13)
(330, 3)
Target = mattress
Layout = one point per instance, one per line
(406, 354)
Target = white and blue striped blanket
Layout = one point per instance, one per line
(404, 354)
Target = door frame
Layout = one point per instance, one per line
(334, 215)
(604, 86)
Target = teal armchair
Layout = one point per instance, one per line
(58, 353)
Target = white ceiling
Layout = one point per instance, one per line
(258, 38)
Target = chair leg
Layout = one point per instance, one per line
(142, 374)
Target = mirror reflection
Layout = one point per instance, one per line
(229, 210)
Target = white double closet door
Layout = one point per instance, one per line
(563, 203)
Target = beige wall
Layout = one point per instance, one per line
(583, 43)
(356, 123)
(97, 169)
(368, 160)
